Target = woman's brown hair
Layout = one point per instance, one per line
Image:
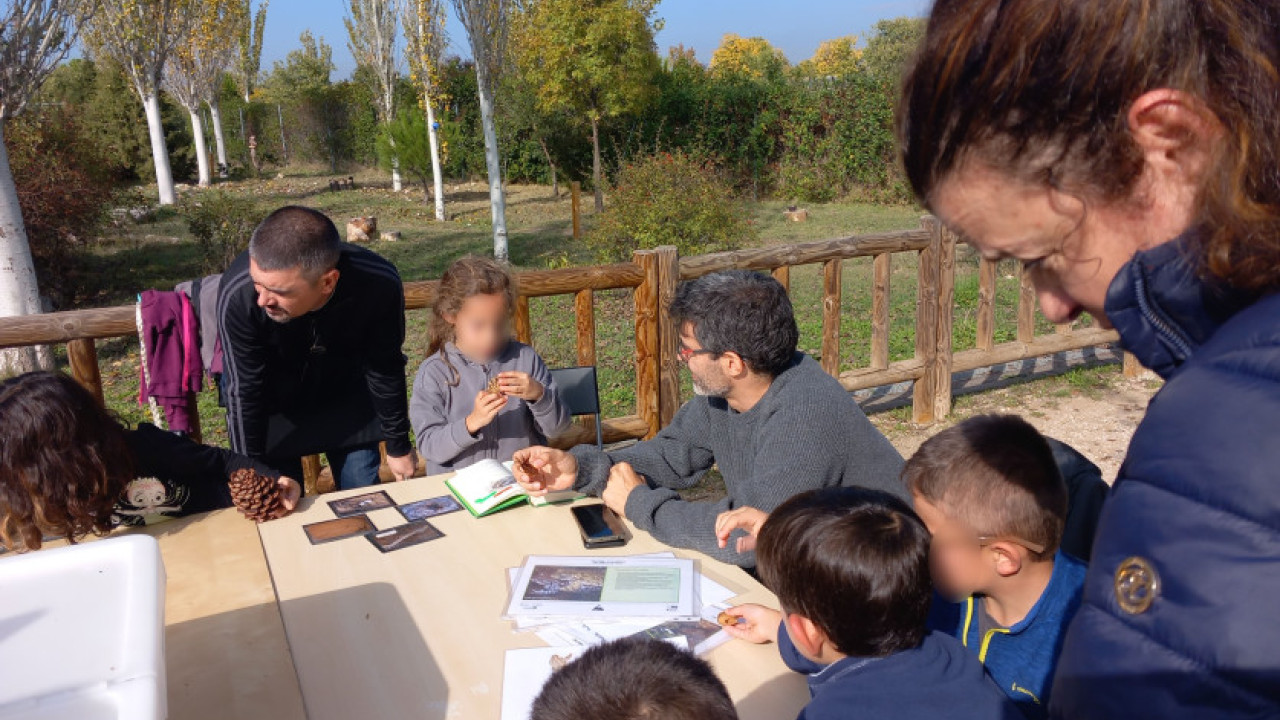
(64, 461)
(1040, 89)
(467, 276)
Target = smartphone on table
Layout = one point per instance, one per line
(600, 526)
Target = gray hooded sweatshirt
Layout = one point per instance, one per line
(439, 409)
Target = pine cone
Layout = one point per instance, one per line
(493, 387)
(257, 496)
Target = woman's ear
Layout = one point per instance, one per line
(1176, 132)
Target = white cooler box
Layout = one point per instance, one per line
(82, 632)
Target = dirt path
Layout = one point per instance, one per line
(1095, 411)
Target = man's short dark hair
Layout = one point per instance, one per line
(296, 237)
(995, 473)
(855, 562)
(743, 312)
(635, 679)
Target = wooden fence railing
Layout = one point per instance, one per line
(653, 274)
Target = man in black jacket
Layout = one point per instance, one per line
(311, 332)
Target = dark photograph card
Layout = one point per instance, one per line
(330, 530)
(403, 536)
(361, 504)
(423, 509)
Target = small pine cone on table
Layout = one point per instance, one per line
(256, 495)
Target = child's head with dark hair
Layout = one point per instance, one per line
(991, 494)
(63, 461)
(850, 567)
(635, 679)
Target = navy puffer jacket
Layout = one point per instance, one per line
(1181, 613)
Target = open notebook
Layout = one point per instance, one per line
(488, 486)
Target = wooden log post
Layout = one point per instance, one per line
(783, 276)
(584, 315)
(668, 335)
(1026, 306)
(986, 334)
(1132, 368)
(82, 353)
(524, 329)
(647, 341)
(831, 317)
(311, 474)
(882, 268)
(575, 202)
(946, 317)
(923, 405)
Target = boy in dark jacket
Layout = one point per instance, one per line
(851, 569)
(990, 492)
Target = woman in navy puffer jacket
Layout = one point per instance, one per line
(1129, 153)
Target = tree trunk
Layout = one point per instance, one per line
(215, 112)
(596, 181)
(437, 175)
(19, 294)
(497, 198)
(202, 149)
(555, 176)
(159, 151)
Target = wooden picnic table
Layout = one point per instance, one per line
(418, 632)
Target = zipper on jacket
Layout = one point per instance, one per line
(1175, 338)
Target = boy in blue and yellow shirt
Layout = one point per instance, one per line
(992, 497)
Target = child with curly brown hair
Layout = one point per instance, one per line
(69, 467)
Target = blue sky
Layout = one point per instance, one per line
(796, 26)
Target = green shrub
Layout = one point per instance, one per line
(221, 224)
(669, 199)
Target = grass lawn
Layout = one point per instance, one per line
(160, 252)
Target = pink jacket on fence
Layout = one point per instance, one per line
(171, 372)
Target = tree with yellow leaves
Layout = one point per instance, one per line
(425, 41)
(592, 58)
(141, 35)
(839, 57)
(193, 75)
(753, 57)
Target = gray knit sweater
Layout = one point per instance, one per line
(805, 433)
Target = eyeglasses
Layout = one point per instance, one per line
(686, 353)
(985, 540)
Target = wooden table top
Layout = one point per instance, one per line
(226, 655)
(418, 632)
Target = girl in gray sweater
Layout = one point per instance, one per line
(479, 394)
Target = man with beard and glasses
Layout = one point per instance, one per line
(311, 331)
(774, 423)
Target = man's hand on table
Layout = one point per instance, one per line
(403, 467)
(743, 518)
(758, 624)
(622, 480)
(541, 470)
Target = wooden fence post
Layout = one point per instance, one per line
(82, 353)
(946, 316)
(1026, 306)
(1132, 368)
(783, 276)
(647, 341)
(831, 317)
(882, 270)
(923, 404)
(668, 335)
(986, 305)
(524, 329)
(584, 315)
(575, 201)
